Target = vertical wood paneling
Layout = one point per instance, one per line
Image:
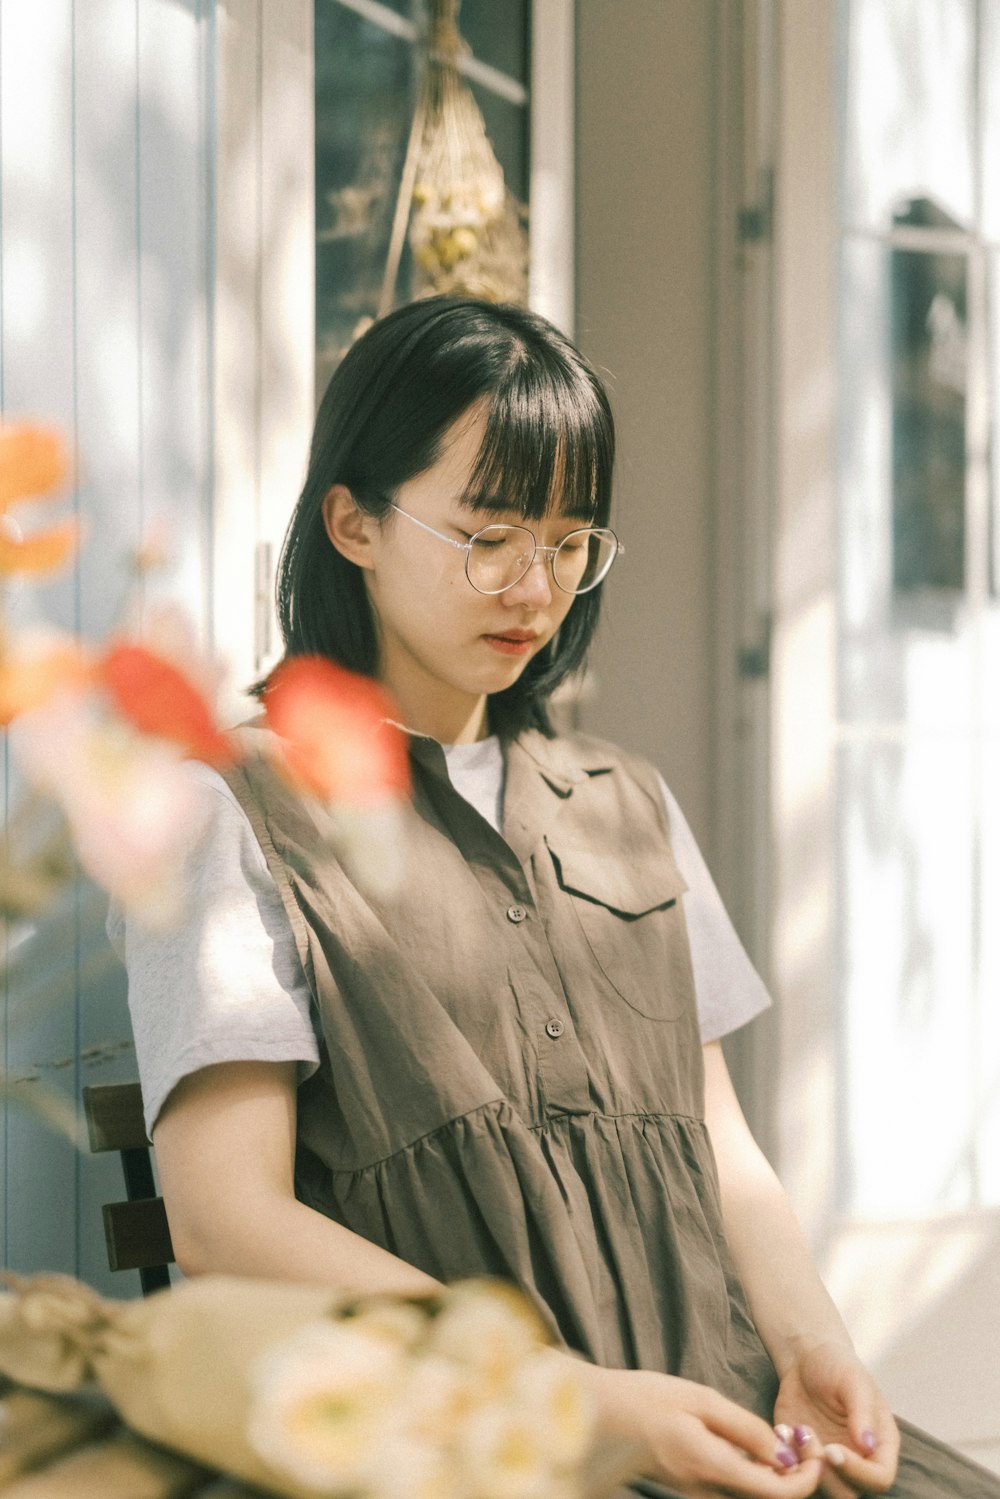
(172, 206)
(237, 296)
(109, 435)
(168, 328)
(264, 294)
(105, 147)
(37, 124)
(288, 272)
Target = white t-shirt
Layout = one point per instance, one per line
(226, 985)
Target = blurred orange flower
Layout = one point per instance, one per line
(42, 552)
(33, 462)
(35, 667)
(159, 699)
(338, 738)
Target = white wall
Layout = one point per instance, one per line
(645, 141)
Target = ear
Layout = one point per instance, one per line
(347, 526)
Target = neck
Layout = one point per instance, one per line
(449, 724)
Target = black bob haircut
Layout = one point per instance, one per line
(549, 440)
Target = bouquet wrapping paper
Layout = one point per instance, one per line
(189, 1369)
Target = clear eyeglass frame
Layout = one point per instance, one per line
(492, 536)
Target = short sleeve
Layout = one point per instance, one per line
(225, 984)
(728, 988)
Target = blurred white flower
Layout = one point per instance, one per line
(464, 1402)
(320, 1403)
(404, 1468)
(441, 1397)
(550, 1388)
(488, 1327)
(134, 809)
(400, 1323)
(505, 1454)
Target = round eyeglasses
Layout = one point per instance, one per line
(497, 557)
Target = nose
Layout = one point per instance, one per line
(535, 588)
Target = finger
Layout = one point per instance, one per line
(804, 1440)
(860, 1475)
(876, 1435)
(750, 1434)
(734, 1473)
(832, 1487)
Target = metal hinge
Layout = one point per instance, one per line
(754, 661)
(755, 221)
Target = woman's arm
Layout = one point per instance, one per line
(225, 1149)
(791, 1307)
(823, 1384)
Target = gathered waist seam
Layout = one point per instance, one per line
(656, 1116)
(538, 1128)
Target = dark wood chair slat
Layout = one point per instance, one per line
(137, 1232)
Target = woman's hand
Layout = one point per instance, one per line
(700, 1444)
(828, 1391)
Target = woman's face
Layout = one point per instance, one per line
(443, 647)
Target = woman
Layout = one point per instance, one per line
(513, 1065)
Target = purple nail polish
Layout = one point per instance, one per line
(869, 1441)
(783, 1433)
(786, 1457)
(802, 1435)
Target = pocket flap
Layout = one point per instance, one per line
(630, 887)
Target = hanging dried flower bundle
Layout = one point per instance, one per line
(467, 231)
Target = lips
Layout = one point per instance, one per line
(512, 642)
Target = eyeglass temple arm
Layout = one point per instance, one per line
(460, 546)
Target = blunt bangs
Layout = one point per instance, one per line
(549, 443)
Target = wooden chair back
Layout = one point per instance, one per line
(136, 1231)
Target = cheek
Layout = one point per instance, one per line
(563, 605)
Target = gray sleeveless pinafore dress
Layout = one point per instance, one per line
(511, 1080)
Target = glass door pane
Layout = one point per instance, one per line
(910, 97)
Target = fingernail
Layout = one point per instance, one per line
(783, 1433)
(785, 1456)
(801, 1435)
(869, 1441)
(834, 1454)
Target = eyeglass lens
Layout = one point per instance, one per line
(501, 555)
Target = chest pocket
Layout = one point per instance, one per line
(630, 914)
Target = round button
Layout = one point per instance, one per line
(517, 913)
(554, 1028)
